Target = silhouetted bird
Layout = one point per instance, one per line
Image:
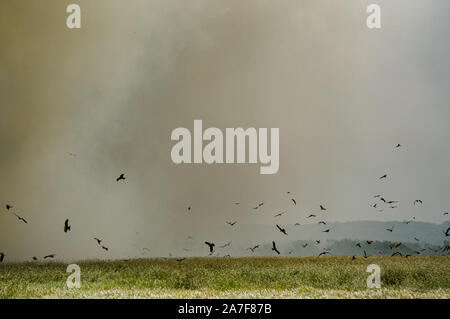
(236, 203)
(66, 226)
(323, 253)
(50, 256)
(225, 245)
(326, 231)
(253, 248)
(447, 232)
(365, 254)
(211, 246)
(358, 245)
(274, 248)
(2, 257)
(304, 245)
(105, 248)
(180, 259)
(8, 207)
(99, 241)
(293, 200)
(377, 196)
(120, 178)
(418, 201)
(322, 222)
(390, 229)
(317, 242)
(297, 224)
(312, 215)
(322, 208)
(231, 223)
(369, 241)
(35, 258)
(445, 213)
(394, 245)
(281, 230)
(397, 146)
(384, 176)
(189, 208)
(374, 205)
(397, 253)
(20, 218)
(279, 214)
(416, 239)
(382, 199)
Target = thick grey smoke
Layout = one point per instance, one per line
(342, 95)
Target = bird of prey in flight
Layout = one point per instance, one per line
(211, 246)
(120, 178)
(21, 218)
(282, 230)
(274, 247)
(66, 226)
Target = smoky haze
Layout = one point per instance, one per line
(79, 107)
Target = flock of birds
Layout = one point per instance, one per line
(212, 246)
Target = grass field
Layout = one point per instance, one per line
(302, 277)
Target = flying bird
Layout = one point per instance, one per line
(418, 201)
(189, 208)
(281, 230)
(445, 213)
(447, 232)
(397, 146)
(304, 245)
(294, 201)
(105, 248)
(225, 245)
(297, 224)
(365, 254)
(279, 214)
(253, 248)
(211, 246)
(394, 245)
(274, 248)
(326, 230)
(377, 196)
(232, 223)
(312, 215)
(384, 176)
(396, 253)
(8, 207)
(99, 241)
(317, 242)
(180, 259)
(323, 253)
(50, 256)
(21, 218)
(358, 245)
(390, 229)
(416, 239)
(236, 203)
(322, 222)
(120, 178)
(2, 257)
(66, 226)
(322, 208)
(369, 242)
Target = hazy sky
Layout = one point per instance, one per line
(342, 96)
